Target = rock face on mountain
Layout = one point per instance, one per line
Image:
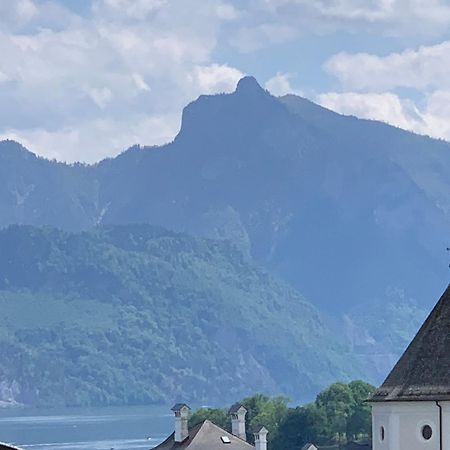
(353, 213)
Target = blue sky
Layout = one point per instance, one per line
(81, 80)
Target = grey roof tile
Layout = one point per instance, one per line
(205, 436)
(423, 372)
(4, 446)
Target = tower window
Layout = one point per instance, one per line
(382, 433)
(427, 432)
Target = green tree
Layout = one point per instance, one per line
(337, 402)
(218, 416)
(263, 410)
(359, 422)
(361, 391)
(300, 425)
(339, 413)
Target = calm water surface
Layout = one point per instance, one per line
(129, 428)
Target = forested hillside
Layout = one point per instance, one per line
(138, 314)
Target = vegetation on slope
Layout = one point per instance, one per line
(138, 314)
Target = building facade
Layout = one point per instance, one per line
(411, 409)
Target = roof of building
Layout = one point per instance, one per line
(422, 373)
(235, 408)
(178, 406)
(309, 446)
(206, 436)
(4, 446)
(256, 429)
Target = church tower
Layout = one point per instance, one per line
(411, 409)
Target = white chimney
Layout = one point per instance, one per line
(260, 434)
(181, 411)
(237, 413)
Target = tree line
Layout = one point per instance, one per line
(338, 415)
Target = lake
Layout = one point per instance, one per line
(119, 428)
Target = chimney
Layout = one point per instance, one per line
(181, 411)
(260, 434)
(237, 413)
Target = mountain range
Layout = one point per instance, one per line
(353, 214)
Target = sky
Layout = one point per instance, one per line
(82, 80)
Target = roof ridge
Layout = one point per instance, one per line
(206, 435)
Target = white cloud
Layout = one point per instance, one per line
(20, 11)
(280, 85)
(249, 39)
(410, 89)
(122, 67)
(270, 22)
(227, 11)
(436, 115)
(424, 68)
(386, 107)
(369, 10)
(214, 78)
(101, 96)
(140, 82)
(3, 77)
(393, 17)
(136, 9)
(25, 10)
(29, 15)
(91, 141)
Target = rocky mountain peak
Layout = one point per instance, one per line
(249, 85)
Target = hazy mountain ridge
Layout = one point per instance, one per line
(138, 314)
(346, 210)
(37, 191)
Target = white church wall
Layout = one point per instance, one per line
(401, 426)
(445, 424)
